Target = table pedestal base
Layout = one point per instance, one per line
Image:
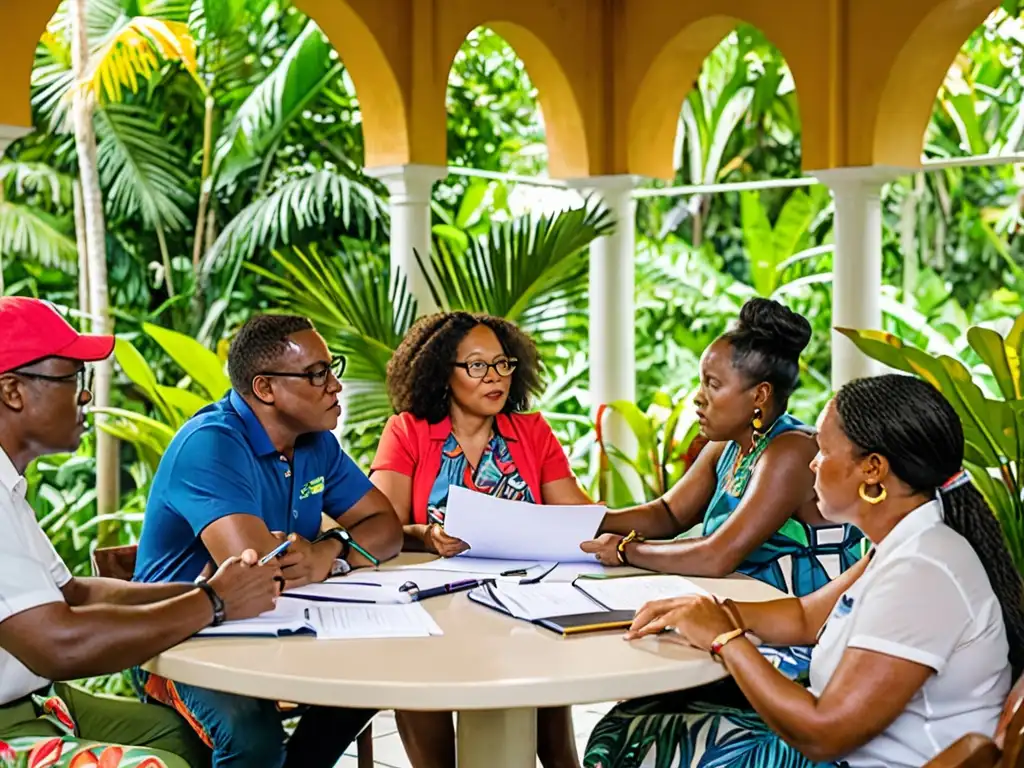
(497, 737)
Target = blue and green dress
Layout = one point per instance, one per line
(714, 725)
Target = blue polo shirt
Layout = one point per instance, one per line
(222, 463)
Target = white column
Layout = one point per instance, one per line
(9, 134)
(612, 309)
(856, 264)
(410, 188)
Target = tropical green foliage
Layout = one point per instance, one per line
(987, 390)
(231, 159)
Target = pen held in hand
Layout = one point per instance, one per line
(275, 552)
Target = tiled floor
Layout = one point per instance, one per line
(389, 753)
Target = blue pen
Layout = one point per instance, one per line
(275, 551)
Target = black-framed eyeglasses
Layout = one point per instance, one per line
(318, 376)
(82, 378)
(478, 368)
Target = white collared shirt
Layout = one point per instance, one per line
(31, 574)
(924, 597)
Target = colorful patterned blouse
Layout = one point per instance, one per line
(496, 475)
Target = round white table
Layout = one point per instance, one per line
(492, 669)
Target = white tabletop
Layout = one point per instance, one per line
(485, 660)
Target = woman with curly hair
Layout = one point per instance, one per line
(460, 384)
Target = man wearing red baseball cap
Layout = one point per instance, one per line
(45, 635)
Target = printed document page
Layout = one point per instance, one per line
(515, 530)
(351, 622)
(543, 601)
(287, 618)
(630, 593)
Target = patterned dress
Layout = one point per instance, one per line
(714, 725)
(495, 475)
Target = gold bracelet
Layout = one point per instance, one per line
(620, 550)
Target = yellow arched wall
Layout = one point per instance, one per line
(891, 121)
(22, 23)
(612, 74)
(357, 31)
(659, 75)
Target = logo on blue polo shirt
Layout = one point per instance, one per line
(313, 487)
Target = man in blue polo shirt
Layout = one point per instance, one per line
(246, 472)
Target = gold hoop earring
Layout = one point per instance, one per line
(872, 500)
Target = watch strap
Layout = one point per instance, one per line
(339, 535)
(216, 602)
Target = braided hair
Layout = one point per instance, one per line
(914, 427)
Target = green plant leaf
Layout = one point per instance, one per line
(141, 375)
(993, 351)
(758, 241)
(185, 401)
(199, 363)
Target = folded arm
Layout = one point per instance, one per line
(92, 591)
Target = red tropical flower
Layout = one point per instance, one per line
(55, 706)
(152, 762)
(84, 759)
(111, 757)
(7, 755)
(45, 753)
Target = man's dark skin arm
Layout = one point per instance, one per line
(93, 591)
(371, 520)
(62, 642)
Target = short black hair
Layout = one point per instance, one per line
(258, 345)
(911, 424)
(766, 345)
(419, 371)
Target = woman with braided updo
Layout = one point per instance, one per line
(461, 384)
(750, 488)
(915, 646)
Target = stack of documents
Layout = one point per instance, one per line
(584, 605)
(332, 622)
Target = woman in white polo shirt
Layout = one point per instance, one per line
(915, 646)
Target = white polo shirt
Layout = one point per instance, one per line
(924, 597)
(31, 574)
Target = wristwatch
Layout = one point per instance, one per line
(339, 535)
(340, 567)
(215, 601)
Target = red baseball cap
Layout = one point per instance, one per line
(31, 329)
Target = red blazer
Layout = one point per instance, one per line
(412, 447)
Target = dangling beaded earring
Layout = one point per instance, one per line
(758, 424)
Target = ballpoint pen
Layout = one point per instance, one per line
(445, 589)
(275, 551)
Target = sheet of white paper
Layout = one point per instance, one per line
(515, 530)
(570, 571)
(541, 601)
(351, 622)
(288, 617)
(478, 566)
(632, 592)
(382, 587)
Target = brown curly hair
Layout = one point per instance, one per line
(419, 371)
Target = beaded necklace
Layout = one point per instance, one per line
(743, 465)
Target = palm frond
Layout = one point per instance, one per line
(140, 169)
(361, 314)
(298, 78)
(29, 233)
(298, 205)
(22, 178)
(531, 270)
(133, 51)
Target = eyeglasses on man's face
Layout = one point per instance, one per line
(477, 369)
(317, 376)
(81, 378)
